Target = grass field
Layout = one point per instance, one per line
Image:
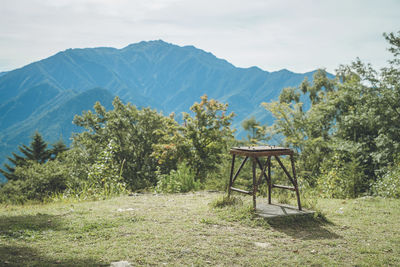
(186, 230)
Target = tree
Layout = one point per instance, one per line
(16, 160)
(134, 133)
(306, 131)
(36, 181)
(37, 152)
(207, 134)
(353, 123)
(257, 132)
(57, 148)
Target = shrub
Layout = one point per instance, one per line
(134, 133)
(36, 182)
(178, 181)
(340, 178)
(103, 177)
(12, 192)
(388, 185)
(207, 135)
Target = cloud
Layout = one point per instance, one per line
(298, 35)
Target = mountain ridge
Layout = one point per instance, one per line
(156, 74)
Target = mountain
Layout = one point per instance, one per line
(45, 95)
(54, 121)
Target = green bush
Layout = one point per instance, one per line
(388, 185)
(340, 178)
(12, 192)
(178, 181)
(36, 182)
(101, 179)
(219, 179)
(134, 133)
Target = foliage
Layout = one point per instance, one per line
(180, 180)
(103, 177)
(70, 175)
(202, 141)
(171, 149)
(77, 161)
(12, 192)
(345, 141)
(133, 131)
(219, 179)
(355, 117)
(308, 132)
(16, 160)
(388, 185)
(257, 132)
(36, 182)
(148, 146)
(37, 151)
(129, 149)
(57, 148)
(340, 178)
(207, 135)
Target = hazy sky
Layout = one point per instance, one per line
(299, 35)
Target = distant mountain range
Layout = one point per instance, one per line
(45, 95)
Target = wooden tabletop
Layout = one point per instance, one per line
(256, 151)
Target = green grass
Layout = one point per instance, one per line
(186, 229)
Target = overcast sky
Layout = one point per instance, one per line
(299, 35)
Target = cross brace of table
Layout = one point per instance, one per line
(254, 154)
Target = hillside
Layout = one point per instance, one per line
(163, 76)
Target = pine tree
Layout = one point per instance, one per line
(17, 161)
(58, 147)
(37, 151)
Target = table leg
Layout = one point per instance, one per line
(231, 177)
(269, 181)
(296, 187)
(254, 183)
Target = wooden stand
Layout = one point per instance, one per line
(255, 153)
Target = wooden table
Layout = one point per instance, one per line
(255, 153)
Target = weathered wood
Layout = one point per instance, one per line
(269, 181)
(241, 191)
(284, 187)
(262, 171)
(284, 169)
(255, 153)
(254, 182)
(259, 148)
(240, 168)
(231, 176)
(261, 153)
(295, 182)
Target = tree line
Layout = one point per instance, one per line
(347, 142)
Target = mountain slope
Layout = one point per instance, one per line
(55, 122)
(156, 74)
(163, 76)
(22, 106)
